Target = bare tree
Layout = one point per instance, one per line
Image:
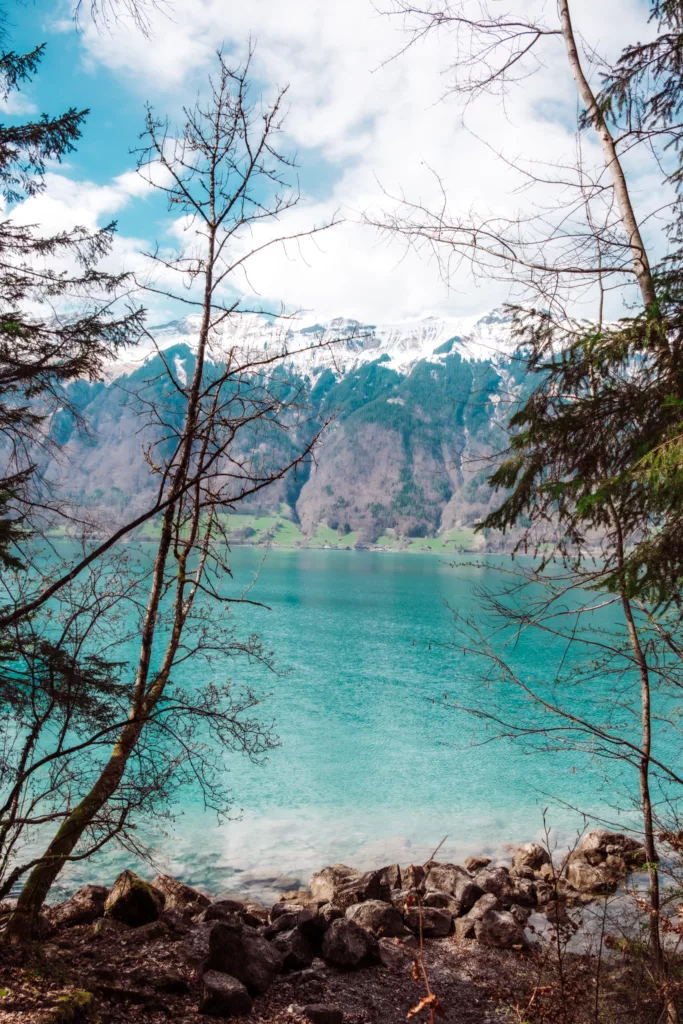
(594, 448)
(224, 174)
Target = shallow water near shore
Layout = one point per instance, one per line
(372, 767)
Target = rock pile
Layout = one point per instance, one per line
(347, 919)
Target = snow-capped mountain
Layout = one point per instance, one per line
(342, 344)
(417, 407)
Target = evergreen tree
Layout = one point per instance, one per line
(59, 316)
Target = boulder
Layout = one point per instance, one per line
(413, 876)
(474, 864)
(500, 929)
(390, 878)
(346, 889)
(330, 912)
(180, 896)
(223, 996)
(347, 945)
(285, 922)
(403, 899)
(601, 878)
(323, 1013)
(530, 855)
(601, 860)
(455, 881)
(245, 954)
(436, 924)
(464, 926)
(222, 910)
(597, 845)
(255, 915)
(522, 892)
(133, 901)
(494, 880)
(84, 907)
(295, 948)
(377, 917)
(324, 884)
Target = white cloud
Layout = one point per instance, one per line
(375, 125)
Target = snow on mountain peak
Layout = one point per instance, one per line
(341, 343)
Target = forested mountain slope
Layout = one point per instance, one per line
(417, 414)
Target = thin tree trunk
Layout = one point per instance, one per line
(641, 263)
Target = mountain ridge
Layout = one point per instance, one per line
(418, 411)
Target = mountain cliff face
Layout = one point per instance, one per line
(418, 412)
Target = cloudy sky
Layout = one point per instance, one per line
(361, 124)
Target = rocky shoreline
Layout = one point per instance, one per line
(163, 948)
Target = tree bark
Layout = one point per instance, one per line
(641, 263)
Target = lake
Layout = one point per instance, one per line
(371, 769)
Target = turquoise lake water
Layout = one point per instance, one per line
(370, 769)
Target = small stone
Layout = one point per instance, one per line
(474, 864)
(149, 932)
(323, 1013)
(223, 996)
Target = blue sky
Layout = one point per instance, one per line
(362, 128)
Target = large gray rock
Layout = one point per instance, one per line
(133, 901)
(285, 922)
(530, 855)
(494, 880)
(436, 924)
(246, 955)
(601, 860)
(390, 878)
(377, 917)
(499, 928)
(455, 881)
(344, 886)
(413, 876)
(347, 945)
(223, 996)
(180, 896)
(464, 926)
(84, 907)
(324, 884)
(295, 948)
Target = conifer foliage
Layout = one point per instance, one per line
(61, 316)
